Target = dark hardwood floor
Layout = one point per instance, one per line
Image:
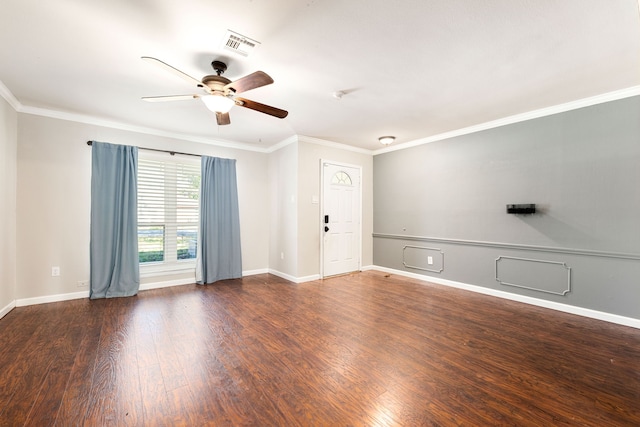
(358, 350)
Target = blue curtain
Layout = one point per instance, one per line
(114, 221)
(219, 256)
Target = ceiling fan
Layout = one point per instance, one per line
(220, 92)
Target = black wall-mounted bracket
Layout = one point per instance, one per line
(529, 208)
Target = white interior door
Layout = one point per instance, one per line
(340, 219)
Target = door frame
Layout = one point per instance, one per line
(322, 203)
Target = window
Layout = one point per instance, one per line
(168, 206)
(341, 178)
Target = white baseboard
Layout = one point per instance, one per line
(293, 279)
(566, 308)
(310, 278)
(166, 284)
(85, 294)
(51, 298)
(7, 309)
(580, 311)
(254, 272)
(283, 275)
(190, 281)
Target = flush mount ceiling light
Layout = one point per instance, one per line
(386, 140)
(218, 103)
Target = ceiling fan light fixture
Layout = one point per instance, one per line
(386, 140)
(218, 103)
(220, 91)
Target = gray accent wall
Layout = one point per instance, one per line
(440, 208)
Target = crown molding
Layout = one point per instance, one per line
(543, 112)
(80, 118)
(535, 114)
(311, 140)
(331, 144)
(292, 139)
(91, 120)
(8, 96)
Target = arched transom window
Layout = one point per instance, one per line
(341, 178)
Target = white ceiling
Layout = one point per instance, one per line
(411, 68)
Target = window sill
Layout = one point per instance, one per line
(167, 269)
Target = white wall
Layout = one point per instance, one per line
(279, 224)
(294, 172)
(8, 166)
(283, 177)
(53, 203)
(309, 157)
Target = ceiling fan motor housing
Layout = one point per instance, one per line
(216, 83)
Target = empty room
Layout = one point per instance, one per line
(320, 213)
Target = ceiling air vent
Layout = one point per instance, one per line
(238, 43)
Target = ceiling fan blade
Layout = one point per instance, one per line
(173, 70)
(223, 118)
(267, 109)
(249, 82)
(169, 98)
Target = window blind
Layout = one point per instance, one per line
(168, 208)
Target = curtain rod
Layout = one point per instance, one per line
(173, 153)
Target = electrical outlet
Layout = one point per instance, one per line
(430, 260)
(83, 283)
(55, 271)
